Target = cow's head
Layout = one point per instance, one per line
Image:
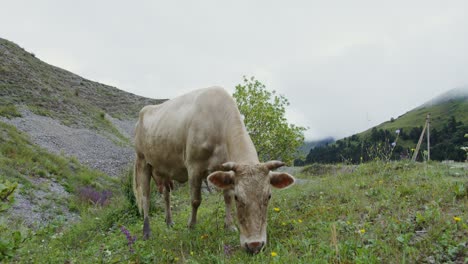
(252, 192)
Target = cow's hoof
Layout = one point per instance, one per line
(170, 224)
(146, 229)
(191, 225)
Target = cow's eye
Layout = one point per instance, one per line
(236, 198)
(269, 196)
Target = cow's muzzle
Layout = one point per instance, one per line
(254, 247)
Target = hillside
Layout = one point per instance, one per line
(65, 113)
(50, 91)
(449, 124)
(64, 143)
(452, 103)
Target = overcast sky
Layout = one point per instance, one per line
(344, 65)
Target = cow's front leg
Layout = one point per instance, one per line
(167, 200)
(228, 223)
(195, 195)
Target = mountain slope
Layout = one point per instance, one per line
(59, 134)
(51, 91)
(452, 103)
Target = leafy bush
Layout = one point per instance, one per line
(10, 241)
(6, 194)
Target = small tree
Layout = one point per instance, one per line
(264, 119)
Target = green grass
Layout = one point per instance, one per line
(9, 111)
(375, 213)
(20, 161)
(27, 165)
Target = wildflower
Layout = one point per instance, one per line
(191, 253)
(204, 236)
(283, 223)
(176, 259)
(276, 209)
(348, 222)
(130, 239)
(457, 219)
(393, 144)
(228, 250)
(397, 131)
(274, 254)
(299, 220)
(362, 231)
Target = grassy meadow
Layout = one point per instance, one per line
(372, 213)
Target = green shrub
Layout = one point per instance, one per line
(6, 194)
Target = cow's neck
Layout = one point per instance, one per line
(240, 147)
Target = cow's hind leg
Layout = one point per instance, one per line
(165, 186)
(167, 200)
(143, 177)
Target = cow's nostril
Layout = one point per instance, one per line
(254, 247)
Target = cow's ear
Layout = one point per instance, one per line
(281, 180)
(222, 179)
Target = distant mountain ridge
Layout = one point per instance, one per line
(457, 94)
(448, 123)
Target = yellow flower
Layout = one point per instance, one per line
(204, 236)
(274, 254)
(276, 209)
(283, 223)
(456, 219)
(300, 220)
(362, 231)
(191, 253)
(176, 259)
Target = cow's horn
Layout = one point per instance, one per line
(230, 166)
(274, 164)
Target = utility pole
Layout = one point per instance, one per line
(416, 151)
(428, 121)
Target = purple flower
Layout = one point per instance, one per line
(89, 194)
(130, 239)
(228, 250)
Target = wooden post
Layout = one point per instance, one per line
(415, 154)
(428, 121)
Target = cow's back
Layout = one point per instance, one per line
(187, 132)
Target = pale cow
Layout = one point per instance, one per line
(201, 135)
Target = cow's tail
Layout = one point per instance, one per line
(137, 190)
